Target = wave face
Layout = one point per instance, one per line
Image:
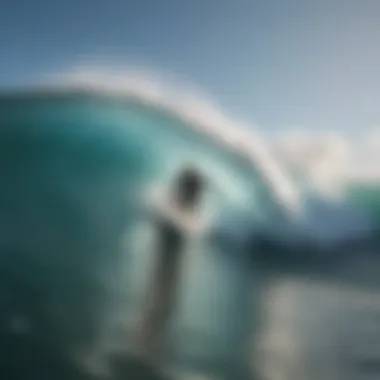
(73, 168)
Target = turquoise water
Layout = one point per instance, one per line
(368, 196)
(94, 158)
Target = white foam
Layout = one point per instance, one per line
(329, 159)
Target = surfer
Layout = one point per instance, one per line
(174, 218)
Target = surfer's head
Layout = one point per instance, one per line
(190, 185)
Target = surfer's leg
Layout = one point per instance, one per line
(159, 314)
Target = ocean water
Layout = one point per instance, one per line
(77, 244)
(367, 195)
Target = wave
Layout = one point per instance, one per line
(88, 211)
(198, 114)
(307, 173)
(325, 157)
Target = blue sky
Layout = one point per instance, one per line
(279, 64)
